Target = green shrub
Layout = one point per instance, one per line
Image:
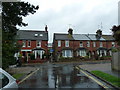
(107, 56)
(20, 55)
(102, 58)
(32, 56)
(86, 57)
(64, 59)
(115, 50)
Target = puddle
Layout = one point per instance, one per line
(62, 76)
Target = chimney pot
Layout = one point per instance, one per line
(70, 31)
(46, 28)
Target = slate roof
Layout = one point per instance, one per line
(30, 35)
(60, 36)
(108, 37)
(93, 37)
(80, 37)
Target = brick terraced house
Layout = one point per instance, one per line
(33, 41)
(73, 45)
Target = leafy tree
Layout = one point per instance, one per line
(116, 33)
(12, 13)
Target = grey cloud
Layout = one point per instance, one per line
(82, 21)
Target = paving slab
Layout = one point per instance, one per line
(104, 67)
(25, 70)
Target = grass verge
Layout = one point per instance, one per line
(112, 79)
(18, 75)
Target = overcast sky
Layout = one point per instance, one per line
(84, 16)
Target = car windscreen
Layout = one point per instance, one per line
(3, 80)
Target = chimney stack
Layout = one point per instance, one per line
(99, 34)
(46, 28)
(70, 31)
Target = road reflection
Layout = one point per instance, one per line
(58, 76)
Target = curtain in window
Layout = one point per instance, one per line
(67, 53)
(82, 53)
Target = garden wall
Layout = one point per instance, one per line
(115, 64)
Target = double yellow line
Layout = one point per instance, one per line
(28, 76)
(101, 84)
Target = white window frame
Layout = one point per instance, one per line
(41, 35)
(81, 44)
(36, 34)
(88, 44)
(113, 44)
(24, 43)
(82, 53)
(66, 43)
(28, 43)
(101, 44)
(59, 43)
(94, 44)
(67, 55)
(38, 43)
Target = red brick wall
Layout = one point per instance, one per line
(33, 44)
(76, 44)
(109, 44)
(72, 44)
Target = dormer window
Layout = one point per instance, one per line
(36, 35)
(41, 35)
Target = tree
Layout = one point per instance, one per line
(116, 33)
(12, 13)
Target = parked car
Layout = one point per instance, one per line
(6, 80)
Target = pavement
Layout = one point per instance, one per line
(26, 70)
(104, 67)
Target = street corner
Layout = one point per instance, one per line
(27, 75)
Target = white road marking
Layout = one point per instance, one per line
(101, 84)
(28, 76)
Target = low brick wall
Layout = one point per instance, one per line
(33, 61)
(37, 61)
(115, 63)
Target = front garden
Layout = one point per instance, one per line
(112, 79)
(80, 58)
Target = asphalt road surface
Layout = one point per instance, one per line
(58, 76)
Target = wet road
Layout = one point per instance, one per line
(58, 76)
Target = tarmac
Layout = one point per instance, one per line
(104, 66)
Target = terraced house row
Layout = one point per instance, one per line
(74, 45)
(64, 44)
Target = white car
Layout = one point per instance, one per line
(6, 80)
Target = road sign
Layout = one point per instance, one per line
(51, 50)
